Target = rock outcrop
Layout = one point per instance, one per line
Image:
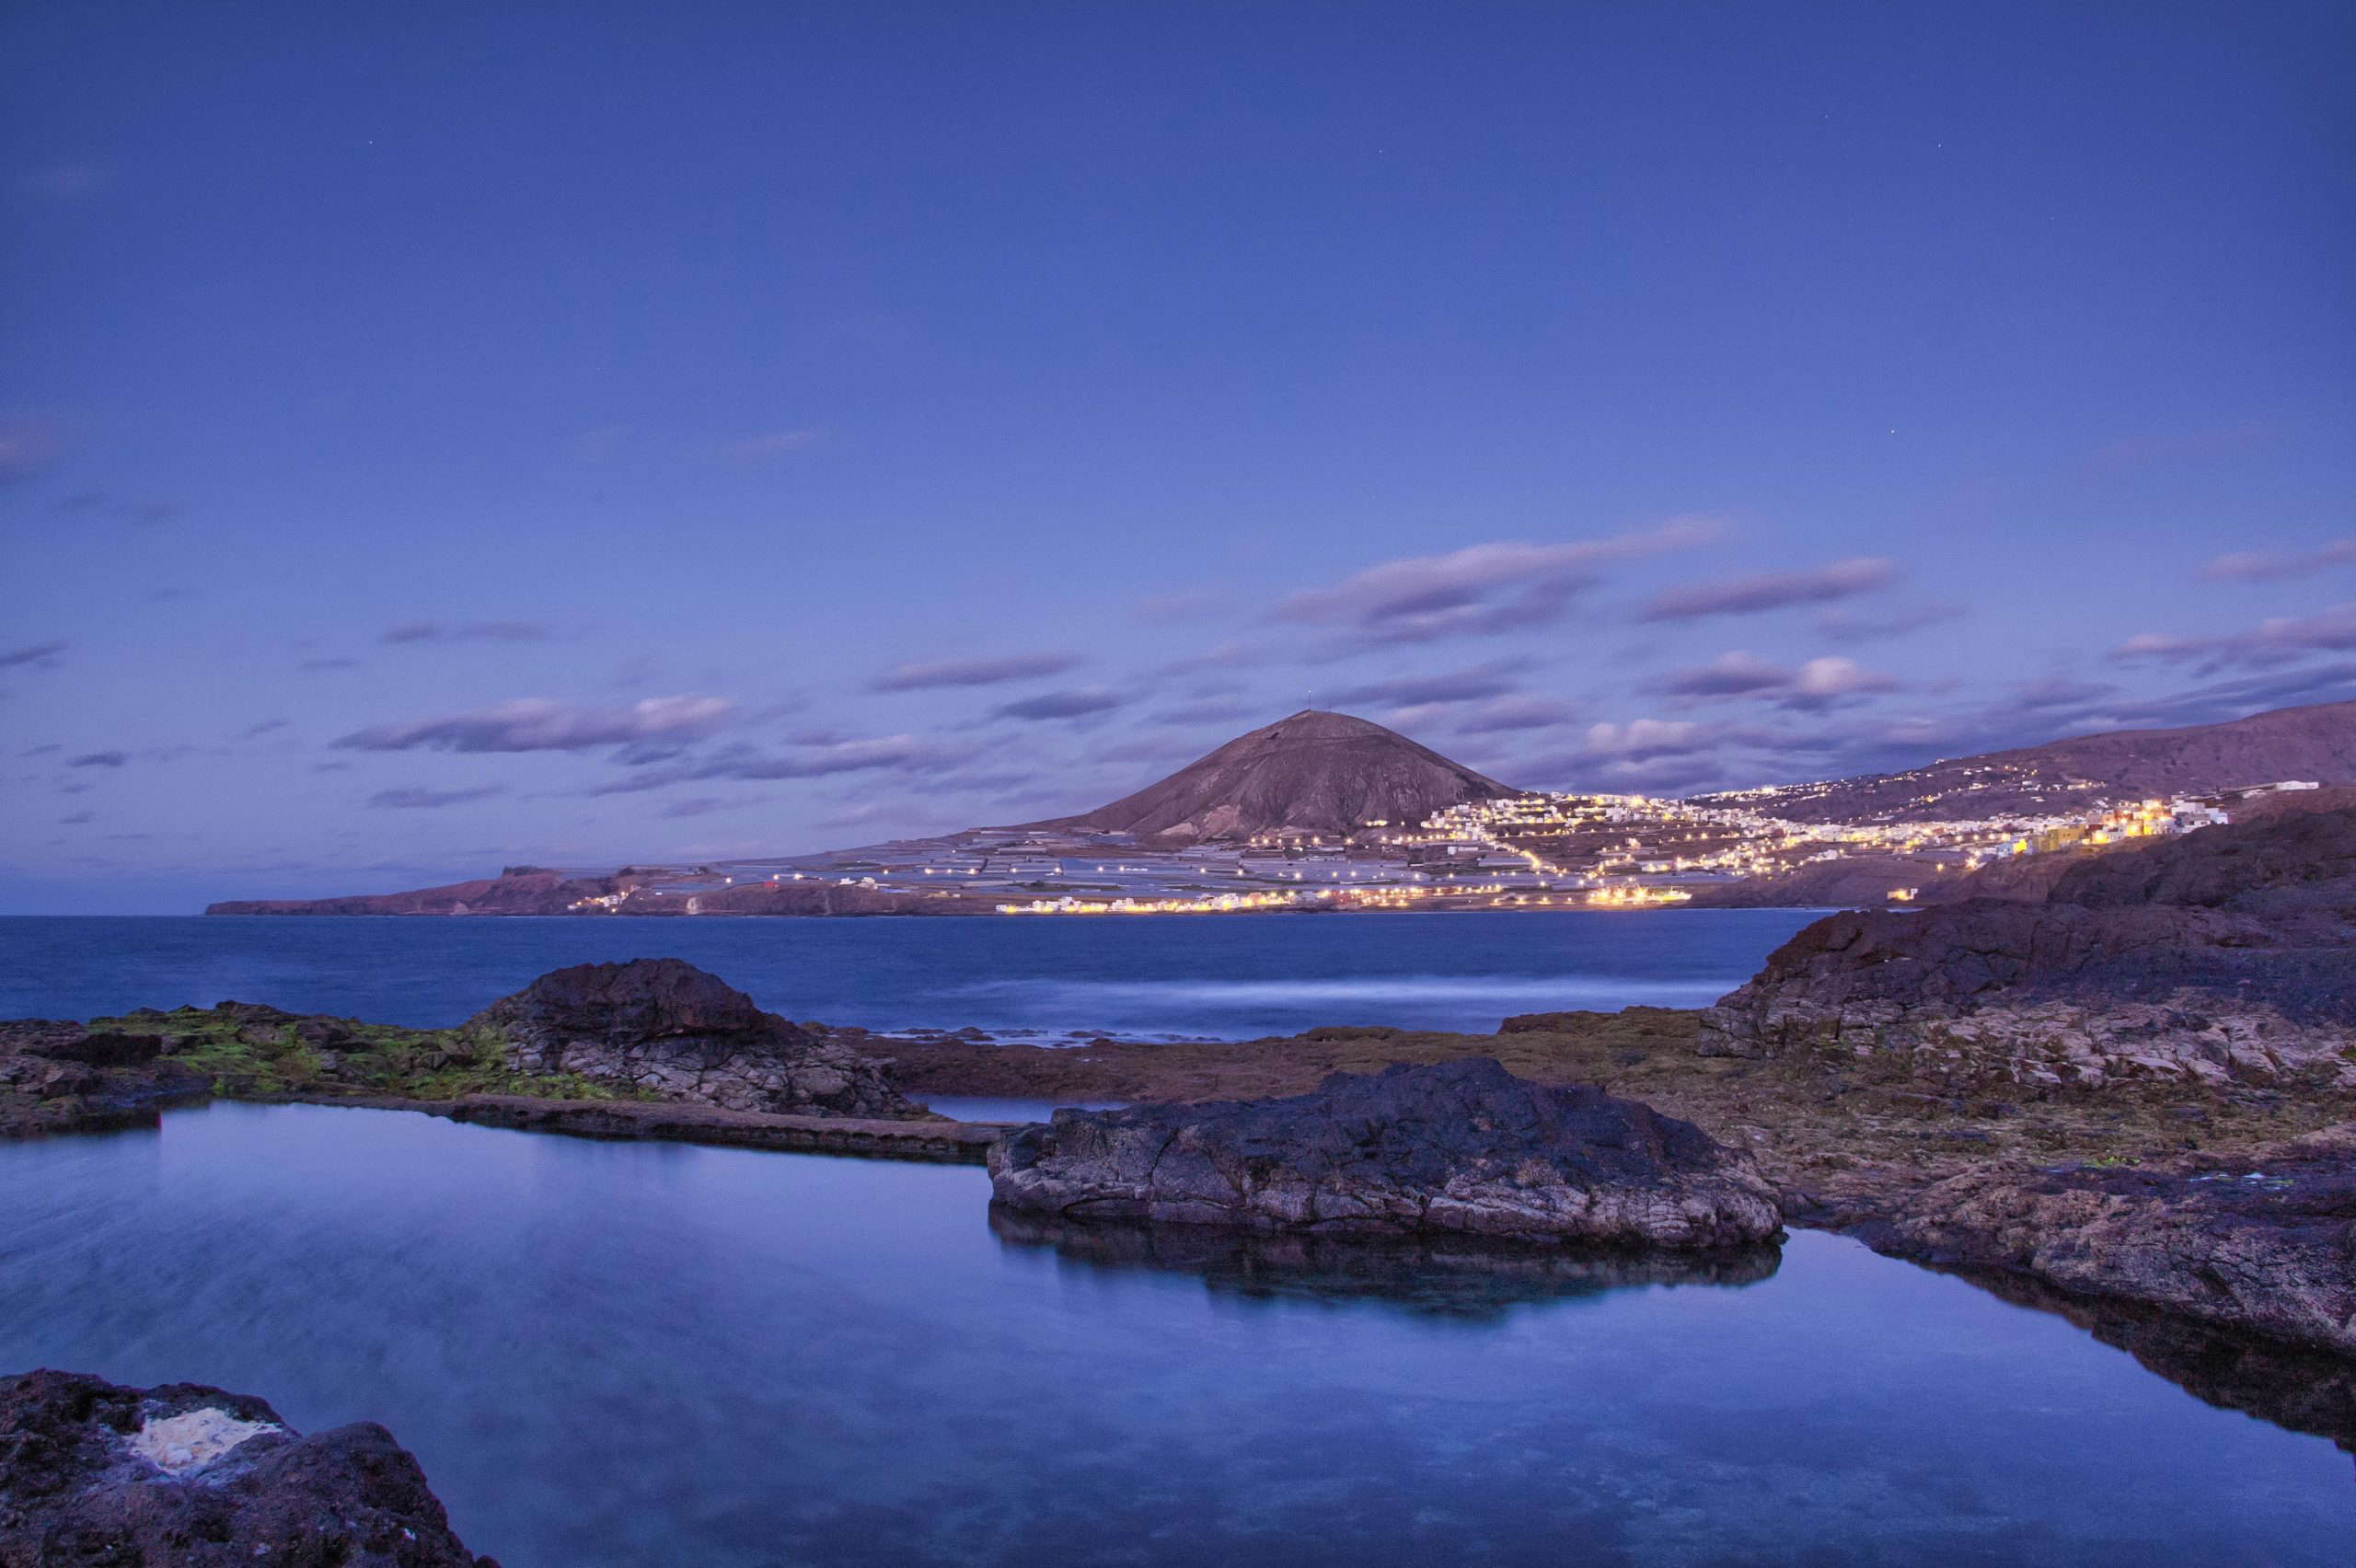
(665, 1026)
(1460, 1147)
(60, 1077)
(2265, 1243)
(2225, 956)
(92, 1473)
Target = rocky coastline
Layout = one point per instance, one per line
(93, 1473)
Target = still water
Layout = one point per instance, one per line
(614, 1353)
(1195, 976)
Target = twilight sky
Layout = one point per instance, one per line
(438, 436)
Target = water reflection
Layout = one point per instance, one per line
(1433, 1277)
(2301, 1390)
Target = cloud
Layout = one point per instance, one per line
(26, 447)
(87, 503)
(1478, 590)
(1737, 674)
(1073, 704)
(977, 672)
(415, 798)
(700, 805)
(465, 631)
(100, 759)
(328, 665)
(769, 444)
(1218, 712)
(2264, 565)
(2276, 641)
(1815, 685)
(75, 818)
(40, 656)
(814, 759)
(1455, 686)
(1771, 591)
(1641, 738)
(1185, 605)
(1847, 625)
(255, 732)
(1501, 714)
(536, 723)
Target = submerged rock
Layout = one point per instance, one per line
(191, 1477)
(662, 1025)
(1458, 1147)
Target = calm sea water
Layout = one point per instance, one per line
(627, 1354)
(1197, 977)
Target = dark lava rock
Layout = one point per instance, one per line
(60, 1077)
(2228, 955)
(1461, 1145)
(1429, 1275)
(190, 1477)
(2265, 1244)
(665, 1025)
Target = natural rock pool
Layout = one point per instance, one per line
(621, 1353)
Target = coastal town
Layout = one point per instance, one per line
(1534, 851)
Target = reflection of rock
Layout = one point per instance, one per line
(59, 1077)
(665, 1025)
(2266, 1244)
(1443, 1274)
(91, 1473)
(2303, 1390)
(1461, 1145)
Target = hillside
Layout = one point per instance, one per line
(1314, 772)
(2315, 742)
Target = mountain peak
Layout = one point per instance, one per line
(1313, 771)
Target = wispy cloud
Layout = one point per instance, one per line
(2265, 566)
(1480, 589)
(2274, 641)
(767, 444)
(976, 672)
(1771, 591)
(1491, 679)
(1813, 686)
(69, 180)
(815, 759)
(100, 759)
(39, 655)
(417, 798)
(538, 723)
(465, 631)
(1848, 624)
(1073, 704)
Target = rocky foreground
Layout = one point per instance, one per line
(185, 1476)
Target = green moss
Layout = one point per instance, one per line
(268, 1057)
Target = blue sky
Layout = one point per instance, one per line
(435, 437)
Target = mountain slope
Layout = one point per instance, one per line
(2317, 743)
(1314, 772)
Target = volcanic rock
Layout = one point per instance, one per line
(2228, 955)
(665, 1026)
(518, 890)
(185, 1476)
(60, 1077)
(2263, 1243)
(1314, 772)
(1463, 1145)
